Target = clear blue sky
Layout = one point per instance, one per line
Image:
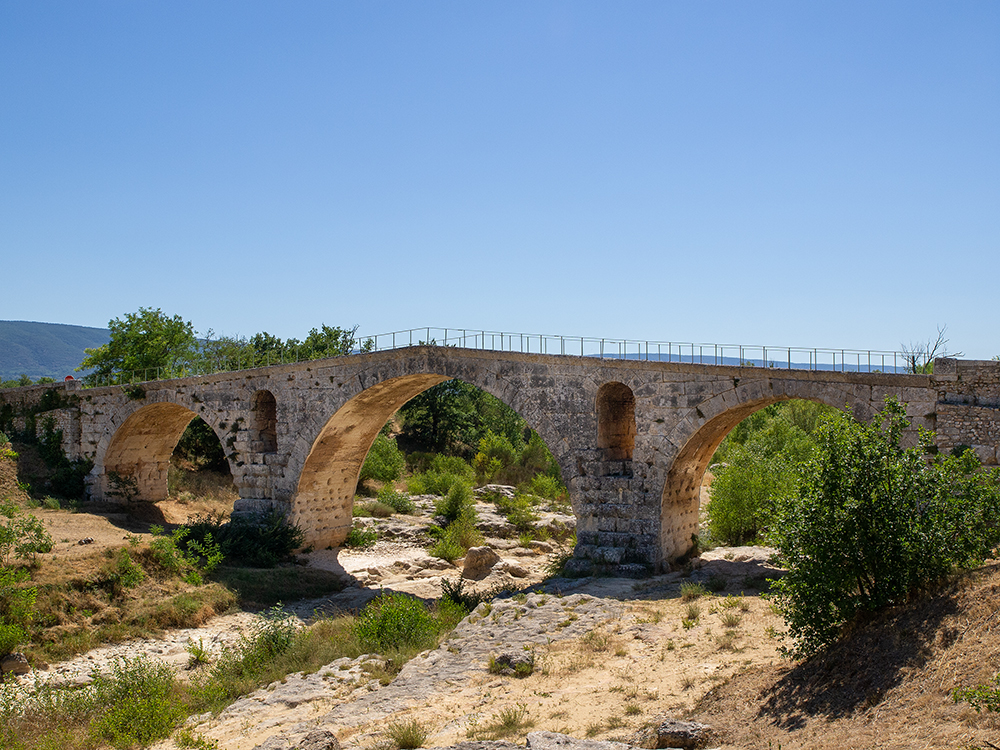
(781, 173)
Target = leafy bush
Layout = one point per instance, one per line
(785, 428)
(455, 465)
(372, 509)
(17, 601)
(138, 703)
(501, 460)
(21, 536)
(495, 453)
(258, 540)
(459, 498)
(458, 537)
(759, 461)
(544, 485)
(398, 501)
(393, 621)
(873, 521)
(11, 636)
(241, 667)
(980, 697)
(744, 493)
(432, 483)
(179, 555)
(360, 537)
(121, 572)
(384, 462)
(456, 593)
(519, 511)
(446, 549)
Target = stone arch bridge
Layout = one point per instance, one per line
(633, 438)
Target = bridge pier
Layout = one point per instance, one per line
(617, 510)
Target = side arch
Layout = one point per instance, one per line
(141, 447)
(322, 504)
(698, 440)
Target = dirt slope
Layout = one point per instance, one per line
(8, 477)
(888, 685)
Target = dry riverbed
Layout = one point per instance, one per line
(609, 654)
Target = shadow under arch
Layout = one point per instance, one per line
(141, 447)
(680, 504)
(322, 505)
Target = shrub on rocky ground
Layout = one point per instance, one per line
(258, 540)
(372, 509)
(407, 735)
(361, 537)
(395, 621)
(398, 501)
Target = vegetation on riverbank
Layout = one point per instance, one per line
(142, 701)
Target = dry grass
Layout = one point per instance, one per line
(79, 607)
(887, 685)
(197, 493)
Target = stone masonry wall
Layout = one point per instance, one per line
(638, 509)
(968, 409)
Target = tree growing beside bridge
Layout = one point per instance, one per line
(148, 341)
(873, 522)
(261, 349)
(153, 345)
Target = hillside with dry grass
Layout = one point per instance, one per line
(887, 684)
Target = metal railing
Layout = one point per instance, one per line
(783, 357)
(788, 357)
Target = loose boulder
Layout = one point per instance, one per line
(16, 663)
(317, 739)
(478, 562)
(671, 733)
(520, 663)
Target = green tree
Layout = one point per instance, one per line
(873, 521)
(744, 493)
(441, 419)
(452, 417)
(384, 462)
(201, 446)
(759, 461)
(148, 342)
(261, 349)
(326, 341)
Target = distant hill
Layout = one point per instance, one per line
(45, 349)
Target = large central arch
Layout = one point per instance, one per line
(322, 504)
